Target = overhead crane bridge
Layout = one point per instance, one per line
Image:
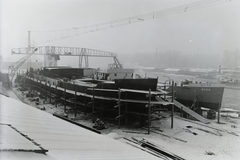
(52, 55)
(54, 52)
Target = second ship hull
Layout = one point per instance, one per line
(206, 95)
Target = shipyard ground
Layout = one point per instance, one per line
(188, 139)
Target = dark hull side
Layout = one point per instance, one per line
(212, 106)
(207, 97)
(136, 84)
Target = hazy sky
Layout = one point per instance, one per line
(210, 30)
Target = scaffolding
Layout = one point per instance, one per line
(92, 101)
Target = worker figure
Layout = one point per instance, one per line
(99, 124)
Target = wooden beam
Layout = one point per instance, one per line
(149, 107)
(119, 107)
(85, 103)
(120, 116)
(65, 96)
(93, 101)
(75, 100)
(172, 105)
(219, 106)
(50, 95)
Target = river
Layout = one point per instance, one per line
(231, 97)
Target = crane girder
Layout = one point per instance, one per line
(65, 51)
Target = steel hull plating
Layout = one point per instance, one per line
(206, 95)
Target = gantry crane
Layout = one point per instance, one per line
(55, 52)
(15, 66)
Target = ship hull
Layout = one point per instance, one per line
(103, 91)
(206, 95)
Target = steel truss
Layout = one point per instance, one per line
(69, 51)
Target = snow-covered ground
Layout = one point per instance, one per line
(188, 139)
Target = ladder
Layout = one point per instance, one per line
(191, 112)
(187, 110)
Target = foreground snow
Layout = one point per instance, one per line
(188, 139)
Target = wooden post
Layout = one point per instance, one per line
(40, 87)
(126, 113)
(37, 85)
(102, 101)
(172, 104)
(181, 114)
(126, 110)
(30, 84)
(46, 91)
(75, 100)
(93, 103)
(149, 110)
(50, 94)
(197, 100)
(85, 103)
(65, 96)
(56, 95)
(194, 101)
(25, 81)
(119, 107)
(219, 106)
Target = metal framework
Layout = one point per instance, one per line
(69, 51)
(15, 66)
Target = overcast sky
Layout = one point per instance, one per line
(208, 30)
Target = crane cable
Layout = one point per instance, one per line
(77, 31)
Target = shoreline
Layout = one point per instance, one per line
(232, 87)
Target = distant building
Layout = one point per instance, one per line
(172, 70)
